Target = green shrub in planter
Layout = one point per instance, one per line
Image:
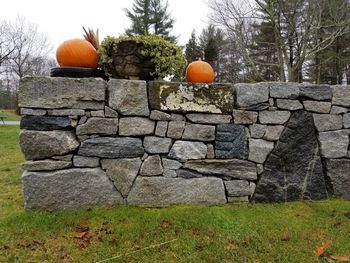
(141, 57)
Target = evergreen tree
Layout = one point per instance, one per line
(193, 50)
(150, 17)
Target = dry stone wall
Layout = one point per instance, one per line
(88, 142)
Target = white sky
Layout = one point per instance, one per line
(63, 19)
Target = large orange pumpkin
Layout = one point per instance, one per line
(200, 72)
(77, 53)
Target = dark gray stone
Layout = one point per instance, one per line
(316, 92)
(111, 148)
(45, 123)
(258, 107)
(339, 172)
(69, 188)
(231, 142)
(293, 171)
(183, 173)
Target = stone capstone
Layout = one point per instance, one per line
(97, 125)
(69, 188)
(284, 90)
(112, 147)
(234, 168)
(45, 123)
(199, 132)
(259, 150)
(56, 93)
(135, 126)
(184, 97)
(208, 118)
(231, 142)
(46, 165)
(334, 144)
(155, 144)
(185, 150)
(251, 94)
(338, 171)
(42, 144)
(122, 172)
(293, 171)
(316, 92)
(161, 191)
(128, 97)
(152, 166)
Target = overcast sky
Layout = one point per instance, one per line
(63, 19)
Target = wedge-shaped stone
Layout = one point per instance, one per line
(234, 168)
(111, 147)
(42, 144)
(57, 93)
(161, 191)
(122, 172)
(69, 188)
(185, 97)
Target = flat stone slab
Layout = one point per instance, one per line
(69, 188)
(45, 123)
(284, 90)
(46, 165)
(188, 97)
(56, 93)
(316, 92)
(234, 168)
(136, 126)
(112, 147)
(204, 118)
(161, 191)
(42, 144)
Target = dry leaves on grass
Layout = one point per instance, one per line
(83, 234)
(231, 245)
(339, 258)
(320, 250)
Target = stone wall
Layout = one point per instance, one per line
(87, 142)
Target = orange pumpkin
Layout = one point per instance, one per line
(200, 72)
(77, 53)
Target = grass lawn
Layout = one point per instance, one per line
(10, 115)
(230, 233)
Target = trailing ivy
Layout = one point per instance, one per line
(167, 57)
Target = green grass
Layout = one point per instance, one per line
(10, 115)
(230, 233)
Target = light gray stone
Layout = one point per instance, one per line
(122, 172)
(237, 188)
(257, 130)
(208, 118)
(110, 113)
(339, 172)
(83, 161)
(151, 166)
(259, 168)
(259, 150)
(252, 187)
(42, 144)
(317, 106)
(112, 147)
(69, 188)
(271, 102)
(273, 133)
(128, 97)
(289, 104)
(170, 164)
(184, 150)
(160, 191)
(97, 113)
(346, 120)
(274, 117)
(177, 117)
(239, 169)
(161, 128)
(238, 199)
(328, 122)
(244, 117)
(155, 144)
(210, 151)
(341, 95)
(338, 110)
(135, 126)
(251, 94)
(46, 165)
(175, 129)
(199, 132)
(160, 116)
(97, 125)
(66, 112)
(144, 156)
(35, 112)
(67, 157)
(334, 144)
(284, 90)
(82, 120)
(57, 93)
(169, 173)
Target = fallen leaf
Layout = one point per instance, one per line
(81, 234)
(285, 237)
(231, 245)
(137, 247)
(257, 261)
(320, 250)
(340, 258)
(338, 223)
(165, 224)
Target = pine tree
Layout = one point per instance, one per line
(150, 17)
(193, 50)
